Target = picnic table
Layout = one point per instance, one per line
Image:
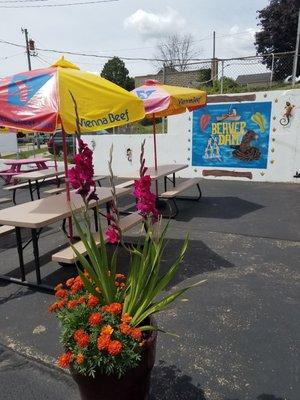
(17, 165)
(171, 196)
(39, 176)
(38, 214)
(162, 171)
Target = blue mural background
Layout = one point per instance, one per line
(210, 149)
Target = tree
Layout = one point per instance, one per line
(278, 34)
(175, 52)
(115, 71)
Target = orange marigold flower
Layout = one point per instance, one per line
(61, 293)
(78, 334)
(61, 303)
(81, 300)
(80, 358)
(114, 347)
(65, 359)
(72, 304)
(53, 307)
(126, 318)
(103, 342)
(125, 328)
(70, 282)
(76, 287)
(95, 319)
(107, 330)
(92, 301)
(113, 308)
(136, 333)
(59, 286)
(120, 276)
(83, 340)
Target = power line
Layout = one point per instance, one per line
(59, 5)
(20, 1)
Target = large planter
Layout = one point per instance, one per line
(134, 385)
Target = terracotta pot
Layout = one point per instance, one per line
(134, 385)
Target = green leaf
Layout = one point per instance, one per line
(152, 328)
(162, 304)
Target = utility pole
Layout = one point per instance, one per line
(214, 61)
(25, 31)
(295, 63)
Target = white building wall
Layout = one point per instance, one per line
(8, 143)
(175, 147)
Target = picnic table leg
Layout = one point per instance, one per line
(37, 186)
(35, 245)
(30, 190)
(20, 252)
(174, 179)
(42, 165)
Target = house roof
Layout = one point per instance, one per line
(253, 78)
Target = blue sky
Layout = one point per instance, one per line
(125, 28)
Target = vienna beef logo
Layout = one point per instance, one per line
(189, 101)
(104, 121)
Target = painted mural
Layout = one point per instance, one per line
(232, 135)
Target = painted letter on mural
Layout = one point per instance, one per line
(231, 135)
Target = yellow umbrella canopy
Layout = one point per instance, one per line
(163, 100)
(40, 100)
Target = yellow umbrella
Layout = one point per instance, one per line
(43, 100)
(163, 100)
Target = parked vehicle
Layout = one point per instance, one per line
(289, 79)
(40, 138)
(56, 140)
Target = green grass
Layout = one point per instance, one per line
(243, 89)
(26, 154)
(148, 129)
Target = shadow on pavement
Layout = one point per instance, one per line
(216, 207)
(168, 382)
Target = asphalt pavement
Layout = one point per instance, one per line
(238, 332)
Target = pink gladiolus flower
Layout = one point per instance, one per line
(112, 234)
(146, 200)
(81, 175)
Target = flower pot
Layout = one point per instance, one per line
(134, 385)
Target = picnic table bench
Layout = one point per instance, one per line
(68, 256)
(169, 196)
(172, 195)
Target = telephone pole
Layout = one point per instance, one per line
(25, 31)
(214, 61)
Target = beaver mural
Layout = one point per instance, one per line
(245, 151)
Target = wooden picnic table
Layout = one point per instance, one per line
(38, 177)
(37, 214)
(16, 166)
(162, 171)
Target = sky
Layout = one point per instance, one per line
(123, 28)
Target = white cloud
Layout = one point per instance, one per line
(238, 43)
(150, 25)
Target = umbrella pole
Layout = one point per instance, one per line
(55, 155)
(65, 154)
(155, 152)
